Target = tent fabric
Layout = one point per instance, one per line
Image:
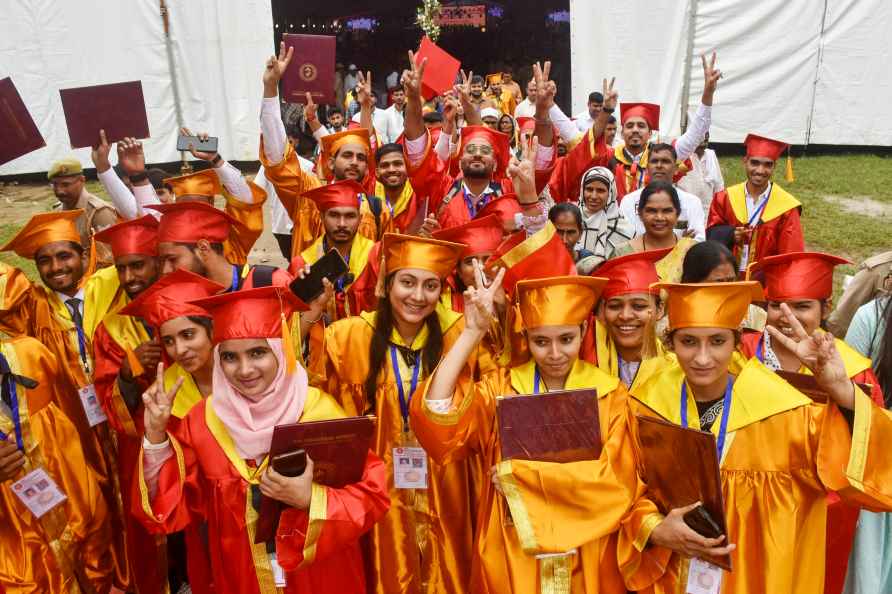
(219, 50)
(798, 70)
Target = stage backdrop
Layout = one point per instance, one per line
(219, 49)
(803, 71)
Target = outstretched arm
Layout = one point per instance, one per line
(272, 128)
(688, 142)
(411, 80)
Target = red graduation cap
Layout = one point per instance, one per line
(759, 146)
(525, 123)
(633, 273)
(440, 71)
(189, 222)
(339, 194)
(505, 206)
(649, 111)
(169, 297)
(500, 143)
(18, 132)
(136, 236)
(481, 235)
(797, 275)
(251, 313)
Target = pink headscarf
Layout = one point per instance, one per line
(250, 423)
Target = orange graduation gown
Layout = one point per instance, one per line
(207, 480)
(248, 224)
(72, 543)
(554, 529)
(783, 453)
(423, 545)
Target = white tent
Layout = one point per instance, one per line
(803, 71)
(219, 49)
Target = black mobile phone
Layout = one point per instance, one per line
(204, 146)
(290, 464)
(330, 266)
(699, 520)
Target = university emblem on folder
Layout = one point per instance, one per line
(308, 72)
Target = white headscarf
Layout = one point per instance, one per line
(602, 231)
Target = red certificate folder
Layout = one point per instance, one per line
(118, 108)
(312, 69)
(553, 427)
(18, 132)
(338, 449)
(440, 71)
(681, 467)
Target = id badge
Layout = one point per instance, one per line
(278, 572)
(90, 402)
(703, 577)
(39, 492)
(409, 468)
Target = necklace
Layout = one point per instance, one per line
(644, 242)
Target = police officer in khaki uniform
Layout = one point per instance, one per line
(69, 186)
(874, 277)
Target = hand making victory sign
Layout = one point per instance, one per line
(158, 403)
(275, 68)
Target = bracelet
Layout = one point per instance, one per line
(314, 321)
(142, 176)
(216, 160)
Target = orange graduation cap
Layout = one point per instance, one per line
(332, 143)
(632, 273)
(558, 300)
(482, 235)
(169, 296)
(136, 236)
(338, 194)
(409, 251)
(767, 148)
(505, 206)
(202, 184)
(44, 228)
(541, 255)
(649, 111)
(798, 275)
(189, 222)
(500, 143)
(709, 305)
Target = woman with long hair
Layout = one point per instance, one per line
(779, 452)
(372, 365)
(603, 227)
(659, 208)
(541, 526)
(216, 468)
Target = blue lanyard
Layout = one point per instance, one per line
(235, 279)
(472, 208)
(757, 213)
(404, 402)
(726, 412)
(82, 347)
(14, 407)
(759, 355)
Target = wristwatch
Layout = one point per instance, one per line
(216, 160)
(141, 176)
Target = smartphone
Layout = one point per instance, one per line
(699, 520)
(330, 266)
(204, 146)
(290, 464)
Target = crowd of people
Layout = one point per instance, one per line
(494, 247)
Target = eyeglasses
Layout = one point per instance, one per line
(478, 149)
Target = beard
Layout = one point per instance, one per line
(476, 173)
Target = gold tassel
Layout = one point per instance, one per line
(288, 347)
(789, 176)
(91, 262)
(136, 368)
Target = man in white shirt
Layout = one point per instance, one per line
(527, 107)
(585, 119)
(661, 167)
(705, 179)
(280, 220)
(396, 113)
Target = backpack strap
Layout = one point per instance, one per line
(262, 275)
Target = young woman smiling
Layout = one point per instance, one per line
(659, 208)
(780, 453)
(216, 469)
(372, 364)
(564, 512)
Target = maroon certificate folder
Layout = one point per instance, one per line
(312, 69)
(552, 427)
(118, 108)
(809, 386)
(338, 449)
(440, 71)
(18, 132)
(681, 467)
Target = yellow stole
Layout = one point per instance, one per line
(779, 202)
(401, 203)
(583, 375)
(187, 396)
(359, 253)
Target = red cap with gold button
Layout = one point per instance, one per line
(797, 275)
(649, 111)
(633, 273)
(136, 236)
(767, 148)
(189, 222)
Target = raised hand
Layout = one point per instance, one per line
(523, 172)
(131, 157)
(293, 491)
(674, 534)
(817, 352)
(202, 136)
(711, 76)
(275, 68)
(365, 96)
(158, 403)
(310, 113)
(545, 87)
(611, 97)
(430, 225)
(411, 79)
(99, 154)
(480, 299)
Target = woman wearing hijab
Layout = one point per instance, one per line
(603, 227)
(217, 469)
